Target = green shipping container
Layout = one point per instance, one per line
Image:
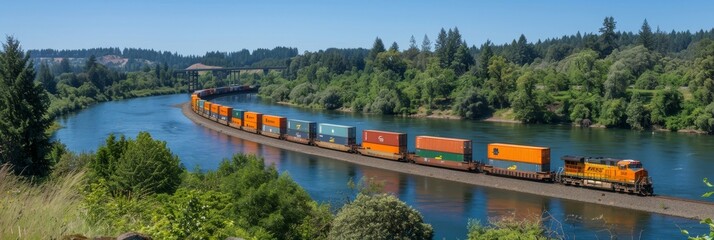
(446, 156)
(238, 113)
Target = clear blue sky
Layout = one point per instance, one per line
(190, 27)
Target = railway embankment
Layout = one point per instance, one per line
(663, 205)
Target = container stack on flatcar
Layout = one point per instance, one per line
(214, 111)
(444, 152)
(252, 121)
(237, 118)
(224, 114)
(200, 107)
(301, 131)
(336, 137)
(526, 162)
(207, 109)
(389, 145)
(606, 173)
(274, 126)
(518, 161)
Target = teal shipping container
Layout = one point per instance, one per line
(301, 125)
(271, 129)
(238, 113)
(337, 130)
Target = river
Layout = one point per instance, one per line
(677, 163)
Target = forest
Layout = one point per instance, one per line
(645, 80)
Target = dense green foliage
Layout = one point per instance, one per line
(137, 167)
(649, 79)
(380, 216)
(23, 120)
(507, 229)
(139, 185)
(95, 82)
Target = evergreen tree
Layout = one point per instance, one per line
(646, 36)
(394, 47)
(64, 66)
(484, 58)
(412, 43)
(46, 79)
(426, 44)
(23, 104)
(377, 48)
(440, 46)
(462, 60)
(608, 37)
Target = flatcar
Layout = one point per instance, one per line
(506, 160)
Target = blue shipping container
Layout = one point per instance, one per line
(337, 130)
(271, 129)
(300, 125)
(335, 139)
(520, 166)
(298, 134)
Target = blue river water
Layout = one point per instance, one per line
(677, 163)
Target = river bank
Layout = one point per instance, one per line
(668, 206)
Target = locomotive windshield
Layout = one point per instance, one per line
(634, 165)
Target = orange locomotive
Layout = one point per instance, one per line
(619, 175)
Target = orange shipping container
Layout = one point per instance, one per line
(451, 145)
(207, 106)
(383, 148)
(252, 117)
(225, 111)
(519, 153)
(251, 125)
(237, 121)
(275, 121)
(214, 108)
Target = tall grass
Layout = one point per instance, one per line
(40, 211)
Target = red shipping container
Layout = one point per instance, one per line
(384, 138)
(452, 145)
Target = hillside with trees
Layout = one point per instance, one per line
(644, 80)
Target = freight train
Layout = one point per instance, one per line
(509, 160)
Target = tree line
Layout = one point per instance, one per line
(138, 57)
(649, 79)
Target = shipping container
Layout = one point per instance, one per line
(335, 139)
(300, 134)
(272, 129)
(452, 145)
(275, 121)
(252, 125)
(446, 156)
(236, 122)
(215, 108)
(238, 113)
(337, 130)
(385, 138)
(253, 117)
(519, 153)
(519, 166)
(225, 111)
(384, 148)
(300, 125)
(207, 106)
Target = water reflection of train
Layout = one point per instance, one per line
(510, 205)
(517, 161)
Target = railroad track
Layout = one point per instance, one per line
(684, 200)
